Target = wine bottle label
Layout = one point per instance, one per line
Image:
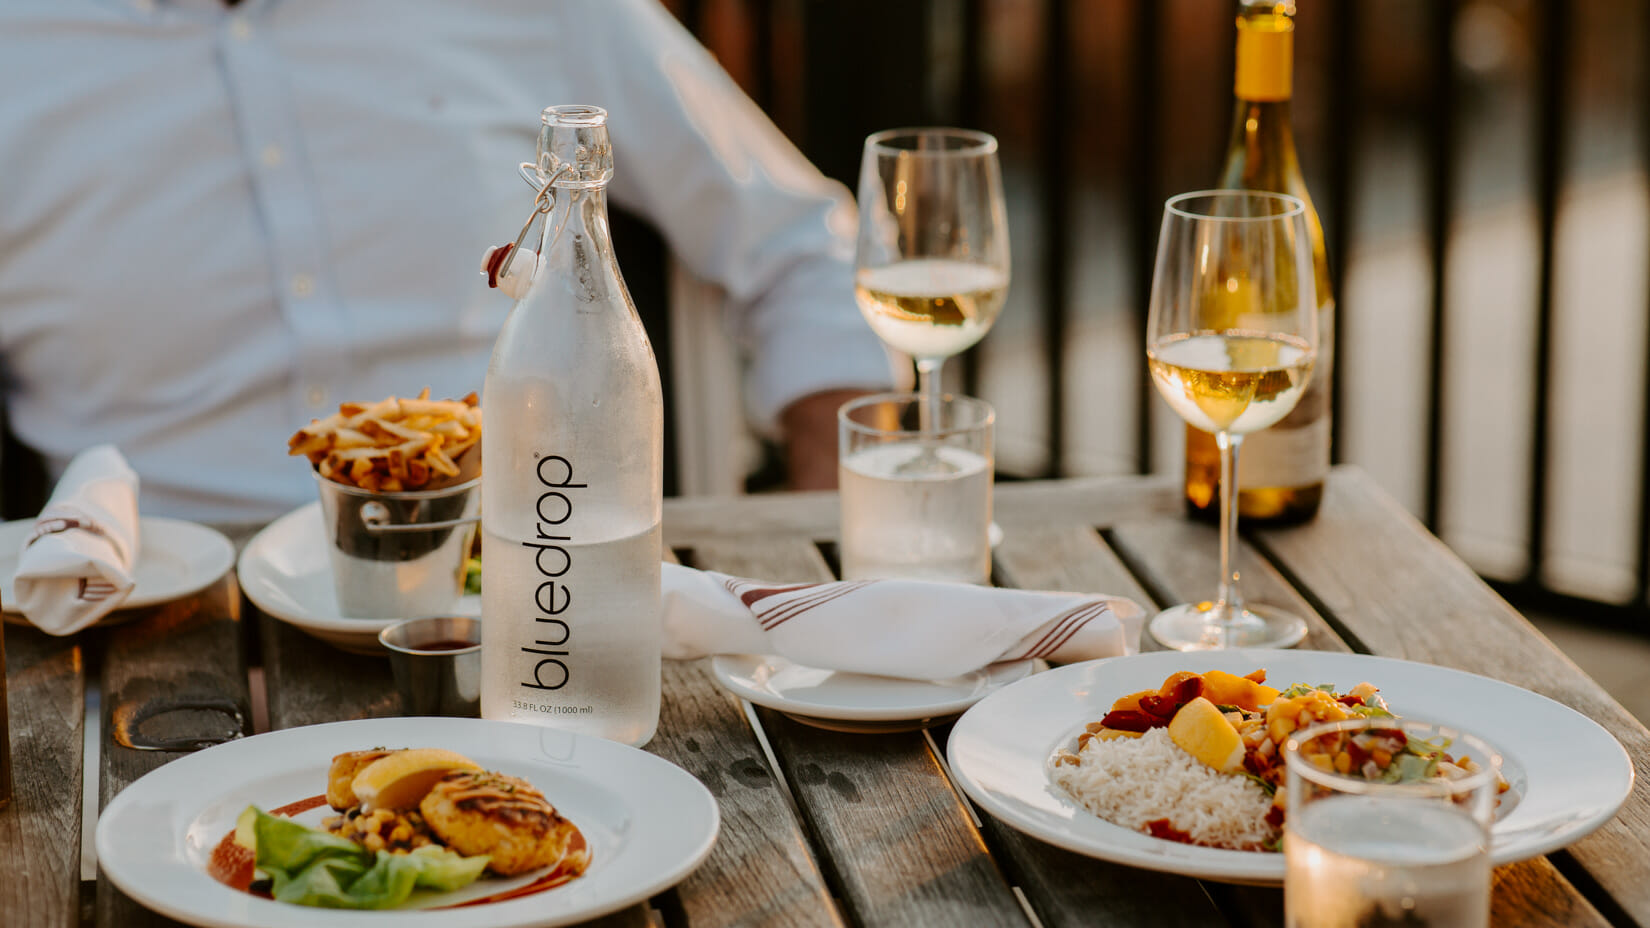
(1265, 58)
(1280, 457)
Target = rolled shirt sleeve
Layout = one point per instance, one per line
(737, 203)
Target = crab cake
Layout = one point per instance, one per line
(340, 794)
(480, 812)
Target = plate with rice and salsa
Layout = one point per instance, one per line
(1162, 760)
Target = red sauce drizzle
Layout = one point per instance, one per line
(557, 876)
(300, 807)
(233, 865)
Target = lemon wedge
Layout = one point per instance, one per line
(1202, 731)
(400, 780)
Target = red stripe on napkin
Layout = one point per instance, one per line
(95, 591)
(755, 594)
(795, 608)
(1072, 629)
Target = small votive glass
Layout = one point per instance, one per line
(437, 665)
(915, 473)
(1363, 851)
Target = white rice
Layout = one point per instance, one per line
(1132, 781)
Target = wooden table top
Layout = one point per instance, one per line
(850, 829)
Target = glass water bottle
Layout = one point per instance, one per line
(572, 450)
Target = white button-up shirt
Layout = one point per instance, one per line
(216, 223)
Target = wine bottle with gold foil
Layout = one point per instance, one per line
(1281, 473)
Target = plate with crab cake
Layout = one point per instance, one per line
(1169, 760)
(458, 823)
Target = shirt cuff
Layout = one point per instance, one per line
(787, 369)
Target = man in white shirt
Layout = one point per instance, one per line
(219, 222)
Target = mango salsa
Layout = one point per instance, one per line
(1201, 730)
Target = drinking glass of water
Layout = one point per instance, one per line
(1389, 824)
(916, 496)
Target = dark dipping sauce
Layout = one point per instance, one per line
(451, 644)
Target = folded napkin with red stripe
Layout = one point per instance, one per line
(896, 628)
(76, 565)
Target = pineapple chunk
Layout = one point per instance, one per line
(1225, 689)
(1203, 732)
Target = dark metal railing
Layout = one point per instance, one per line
(1345, 55)
(1440, 166)
(1055, 186)
(1145, 206)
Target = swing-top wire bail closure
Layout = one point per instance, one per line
(542, 205)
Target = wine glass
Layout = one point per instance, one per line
(1231, 339)
(931, 269)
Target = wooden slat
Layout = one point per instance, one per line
(189, 649)
(40, 830)
(762, 871)
(1533, 894)
(1088, 500)
(1179, 560)
(1404, 594)
(897, 838)
(1064, 556)
(1530, 894)
(309, 682)
(1064, 888)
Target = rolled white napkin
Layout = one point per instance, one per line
(76, 566)
(894, 628)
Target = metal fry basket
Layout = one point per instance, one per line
(399, 555)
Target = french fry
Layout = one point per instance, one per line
(441, 463)
(395, 444)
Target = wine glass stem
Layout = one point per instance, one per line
(928, 384)
(1229, 605)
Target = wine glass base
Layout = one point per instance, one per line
(1192, 627)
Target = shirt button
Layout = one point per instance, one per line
(302, 286)
(272, 156)
(316, 395)
(240, 28)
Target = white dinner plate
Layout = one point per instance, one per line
(648, 822)
(1568, 775)
(175, 558)
(287, 573)
(859, 702)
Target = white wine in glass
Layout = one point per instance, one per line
(931, 267)
(1230, 342)
(931, 307)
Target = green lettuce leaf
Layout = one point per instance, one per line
(308, 866)
(444, 870)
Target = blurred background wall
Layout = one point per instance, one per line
(1480, 167)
